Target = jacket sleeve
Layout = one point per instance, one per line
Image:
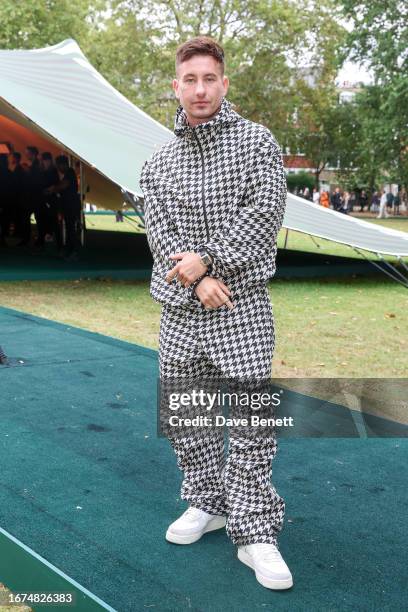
(162, 234)
(254, 231)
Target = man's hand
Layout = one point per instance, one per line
(188, 270)
(212, 293)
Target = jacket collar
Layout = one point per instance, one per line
(224, 116)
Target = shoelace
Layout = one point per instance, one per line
(193, 513)
(268, 552)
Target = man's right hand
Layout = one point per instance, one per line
(212, 293)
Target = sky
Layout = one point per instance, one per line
(353, 73)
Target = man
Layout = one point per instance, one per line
(5, 197)
(18, 190)
(214, 203)
(69, 203)
(397, 201)
(50, 201)
(383, 206)
(32, 198)
(337, 200)
(364, 201)
(390, 199)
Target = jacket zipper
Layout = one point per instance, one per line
(202, 184)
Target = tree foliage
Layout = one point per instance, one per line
(282, 58)
(266, 43)
(379, 39)
(39, 23)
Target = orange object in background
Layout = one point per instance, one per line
(324, 199)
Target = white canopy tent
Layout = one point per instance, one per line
(55, 98)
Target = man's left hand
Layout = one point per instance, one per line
(188, 269)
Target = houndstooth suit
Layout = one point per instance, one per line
(220, 185)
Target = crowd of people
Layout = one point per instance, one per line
(381, 202)
(44, 187)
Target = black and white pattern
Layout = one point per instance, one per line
(220, 344)
(221, 186)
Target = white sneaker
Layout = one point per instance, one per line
(192, 524)
(269, 567)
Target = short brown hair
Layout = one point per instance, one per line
(200, 45)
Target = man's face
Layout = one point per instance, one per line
(30, 155)
(200, 87)
(46, 164)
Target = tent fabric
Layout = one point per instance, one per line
(58, 90)
(304, 216)
(57, 95)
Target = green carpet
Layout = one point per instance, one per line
(123, 255)
(87, 484)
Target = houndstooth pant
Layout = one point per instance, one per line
(235, 343)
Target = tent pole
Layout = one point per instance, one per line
(315, 242)
(81, 182)
(375, 264)
(393, 268)
(286, 238)
(402, 263)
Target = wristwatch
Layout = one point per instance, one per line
(205, 257)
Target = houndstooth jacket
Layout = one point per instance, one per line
(221, 186)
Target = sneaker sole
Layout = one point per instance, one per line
(176, 538)
(269, 583)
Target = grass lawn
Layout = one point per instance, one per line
(324, 327)
(108, 223)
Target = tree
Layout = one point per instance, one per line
(265, 42)
(39, 23)
(379, 39)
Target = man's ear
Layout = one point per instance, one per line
(226, 84)
(175, 87)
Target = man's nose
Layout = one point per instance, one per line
(200, 89)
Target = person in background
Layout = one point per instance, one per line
(32, 199)
(352, 202)
(50, 201)
(383, 206)
(316, 196)
(375, 202)
(306, 193)
(397, 202)
(345, 203)
(5, 197)
(337, 199)
(18, 189)
(70, 203)
(363, 200)
(390, 199)
(325, 199)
